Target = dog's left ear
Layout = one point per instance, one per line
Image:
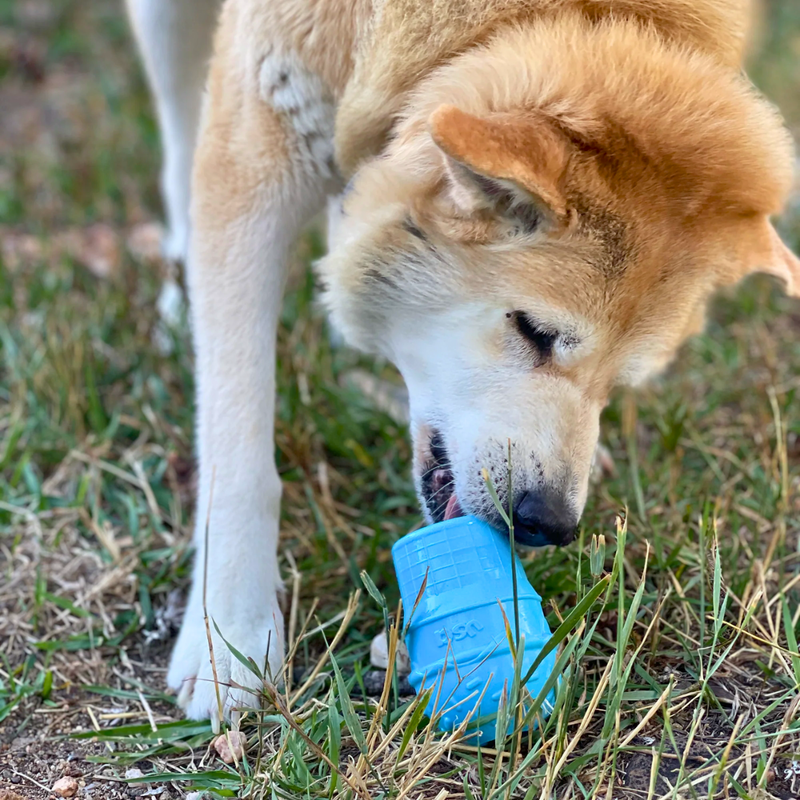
(773, 257)
(505, 164)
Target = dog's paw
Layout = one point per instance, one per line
(602, 464)
(256, 633)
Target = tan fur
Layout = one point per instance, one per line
(408, 38)
(527, 152)
(596, 166)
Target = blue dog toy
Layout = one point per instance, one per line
(457, 638)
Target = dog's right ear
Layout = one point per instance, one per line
(510, 166)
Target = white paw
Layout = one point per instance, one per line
(255, 631)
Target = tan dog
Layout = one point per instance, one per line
(542, 195)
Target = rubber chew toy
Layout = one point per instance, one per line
(457, 637)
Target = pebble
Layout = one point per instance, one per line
(65, 787)
(233, 750)
(374, 680)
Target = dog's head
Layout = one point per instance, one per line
(520, 253)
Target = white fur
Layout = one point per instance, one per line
(236, 293)
(292, 90)
(479, 403)
(239, 493)
(175, 38)
(239, 490)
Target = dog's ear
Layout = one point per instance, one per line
(771, 256)
(511, 165)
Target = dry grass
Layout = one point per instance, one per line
(681, 681)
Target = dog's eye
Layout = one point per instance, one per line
(541, 338)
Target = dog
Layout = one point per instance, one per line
(530, 202)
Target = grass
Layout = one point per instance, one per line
(682, 675)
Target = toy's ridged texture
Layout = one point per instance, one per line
(457, 637)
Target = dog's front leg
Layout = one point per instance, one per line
(174, 38)
(261, 170)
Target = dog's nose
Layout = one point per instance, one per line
(543, 517)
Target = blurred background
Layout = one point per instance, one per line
(96, 467)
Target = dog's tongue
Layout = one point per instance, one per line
(453, 509)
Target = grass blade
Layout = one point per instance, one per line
(570, 622)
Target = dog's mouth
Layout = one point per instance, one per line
(438, 483)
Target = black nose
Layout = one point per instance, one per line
(543, 517)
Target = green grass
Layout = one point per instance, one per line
(680, 680)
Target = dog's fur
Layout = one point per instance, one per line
(541, 196)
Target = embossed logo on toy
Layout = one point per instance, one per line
(458, 632)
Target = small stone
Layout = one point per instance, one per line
(65, 787)
(230, 746)
(374, 681)
(133, 772)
